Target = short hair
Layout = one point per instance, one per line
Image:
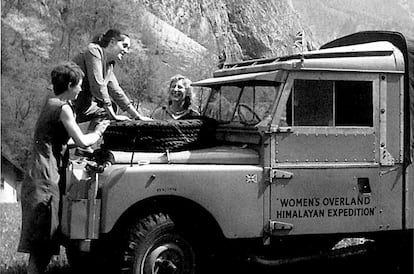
(188, 89)
(65, 74)
(104, 39)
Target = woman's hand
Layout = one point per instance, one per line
(101, 127)
(122, 118)
(137, 116)
(143, 118)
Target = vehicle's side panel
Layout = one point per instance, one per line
(394, 115)
(233, 194)
(327, 176)
(391, 193)
(391, 132)
(321, 199)
(409, 197)
(325, 146)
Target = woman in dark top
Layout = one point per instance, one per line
(180, 95)
(40, 189)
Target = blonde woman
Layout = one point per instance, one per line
(179, 101)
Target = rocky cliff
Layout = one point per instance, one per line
(192, 35)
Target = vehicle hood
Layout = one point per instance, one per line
(215, 155)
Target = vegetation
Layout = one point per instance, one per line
(36, 35)
(12, 262)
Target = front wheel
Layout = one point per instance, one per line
(154, 245)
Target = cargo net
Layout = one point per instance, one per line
(160, 136)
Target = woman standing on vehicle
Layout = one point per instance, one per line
(180, 95)
(41, 188)
(100, 86)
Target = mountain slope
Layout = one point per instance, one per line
(330, 19)
(243, 29)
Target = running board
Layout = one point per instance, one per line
(332, 254)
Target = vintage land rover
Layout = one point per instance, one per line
(316, 146)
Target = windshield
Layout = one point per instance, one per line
(244, 104)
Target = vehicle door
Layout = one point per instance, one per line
(325, 154)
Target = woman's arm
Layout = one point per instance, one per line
(134, 113)
(80, 139)
(111, 112)
(121, 99)
(115, 90)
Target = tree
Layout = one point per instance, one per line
(31, 35)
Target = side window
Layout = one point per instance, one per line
(311, 103)
(243, 103)
(330, 103)
(353, 103)
(221, 103)
(259, 99)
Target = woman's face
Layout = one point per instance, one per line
(74, 91)
(177, 91)
(117, 49)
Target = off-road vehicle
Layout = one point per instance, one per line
(308, 148)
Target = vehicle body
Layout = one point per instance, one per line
(315, 144)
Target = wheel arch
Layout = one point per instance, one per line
(185, 212)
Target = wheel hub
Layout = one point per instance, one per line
(167, 258)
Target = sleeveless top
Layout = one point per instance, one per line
(40, 194)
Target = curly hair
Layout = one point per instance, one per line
(188, 89)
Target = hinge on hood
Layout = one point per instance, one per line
(271, 174)
(386, 158)
(277, 225)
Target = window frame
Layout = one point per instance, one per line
(329, 76)
(276, 86)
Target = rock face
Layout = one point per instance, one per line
(193, 35)
(330, 19)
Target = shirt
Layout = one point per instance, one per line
(99, 83)
(164, 113)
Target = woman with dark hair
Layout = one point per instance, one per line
(180, 95)
(40, 193)
(100, 86)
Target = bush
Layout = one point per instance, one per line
(11, 261)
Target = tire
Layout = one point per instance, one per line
(159, 136)
(153, 245)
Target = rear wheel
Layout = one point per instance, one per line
(154, 245)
